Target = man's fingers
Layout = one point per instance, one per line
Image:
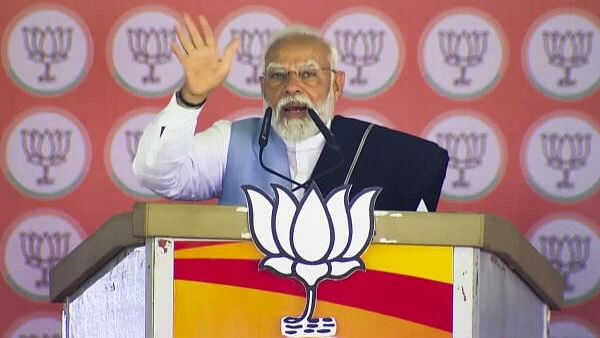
(184, 39)
(230, 52)
(197, 39)
(207, 31)
(179, 53)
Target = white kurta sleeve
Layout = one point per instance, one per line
(175, 163)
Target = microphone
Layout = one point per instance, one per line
(265, 128)
(329, 138)
(330, 141)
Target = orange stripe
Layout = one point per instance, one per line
(211, 311)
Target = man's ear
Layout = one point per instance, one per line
(338, 84)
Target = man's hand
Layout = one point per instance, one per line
(204, 69)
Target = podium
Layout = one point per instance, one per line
(182, 270)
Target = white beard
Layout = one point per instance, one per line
(298, 129)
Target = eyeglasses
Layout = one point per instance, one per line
(310, 76)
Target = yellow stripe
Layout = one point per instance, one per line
(227, 250)
(427, 262)
(217, 311)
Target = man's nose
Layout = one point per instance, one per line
(293, 84)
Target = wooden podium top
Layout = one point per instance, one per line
(486, 232)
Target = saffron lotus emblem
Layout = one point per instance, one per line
(311, 240)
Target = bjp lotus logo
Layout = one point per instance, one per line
(48, 46)
(311, 240)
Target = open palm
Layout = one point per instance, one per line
(198, 54)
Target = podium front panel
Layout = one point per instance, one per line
(214, 288)
(220, 292)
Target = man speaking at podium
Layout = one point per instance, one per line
(297, 142)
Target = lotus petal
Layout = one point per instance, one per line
(312, 232)
(363, 222)
(260, 210)
(338, 210)
(284, 215)
(339, 269)
(311, 273)
(282, 265)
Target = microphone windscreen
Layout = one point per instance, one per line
(265, 128)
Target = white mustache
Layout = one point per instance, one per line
(297, 99)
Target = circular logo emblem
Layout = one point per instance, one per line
(254, 27)
(561, 157)
(370, 50)
(32, 247)
(139, 52)
(121, 148)
(47, 51)
(476, 150)
(369, 116)
(36, 325)
(47, 153)
(463, 54)
(561, 54)
(572, 246)
(563, 326)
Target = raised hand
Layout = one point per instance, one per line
(203, 67)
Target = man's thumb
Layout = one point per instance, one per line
(230, 51)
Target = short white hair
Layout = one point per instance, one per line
(300, 32)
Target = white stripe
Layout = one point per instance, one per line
(358, 151)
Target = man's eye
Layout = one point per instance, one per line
(277, 76)
(308, 74)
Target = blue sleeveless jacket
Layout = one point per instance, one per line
(243, 165)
